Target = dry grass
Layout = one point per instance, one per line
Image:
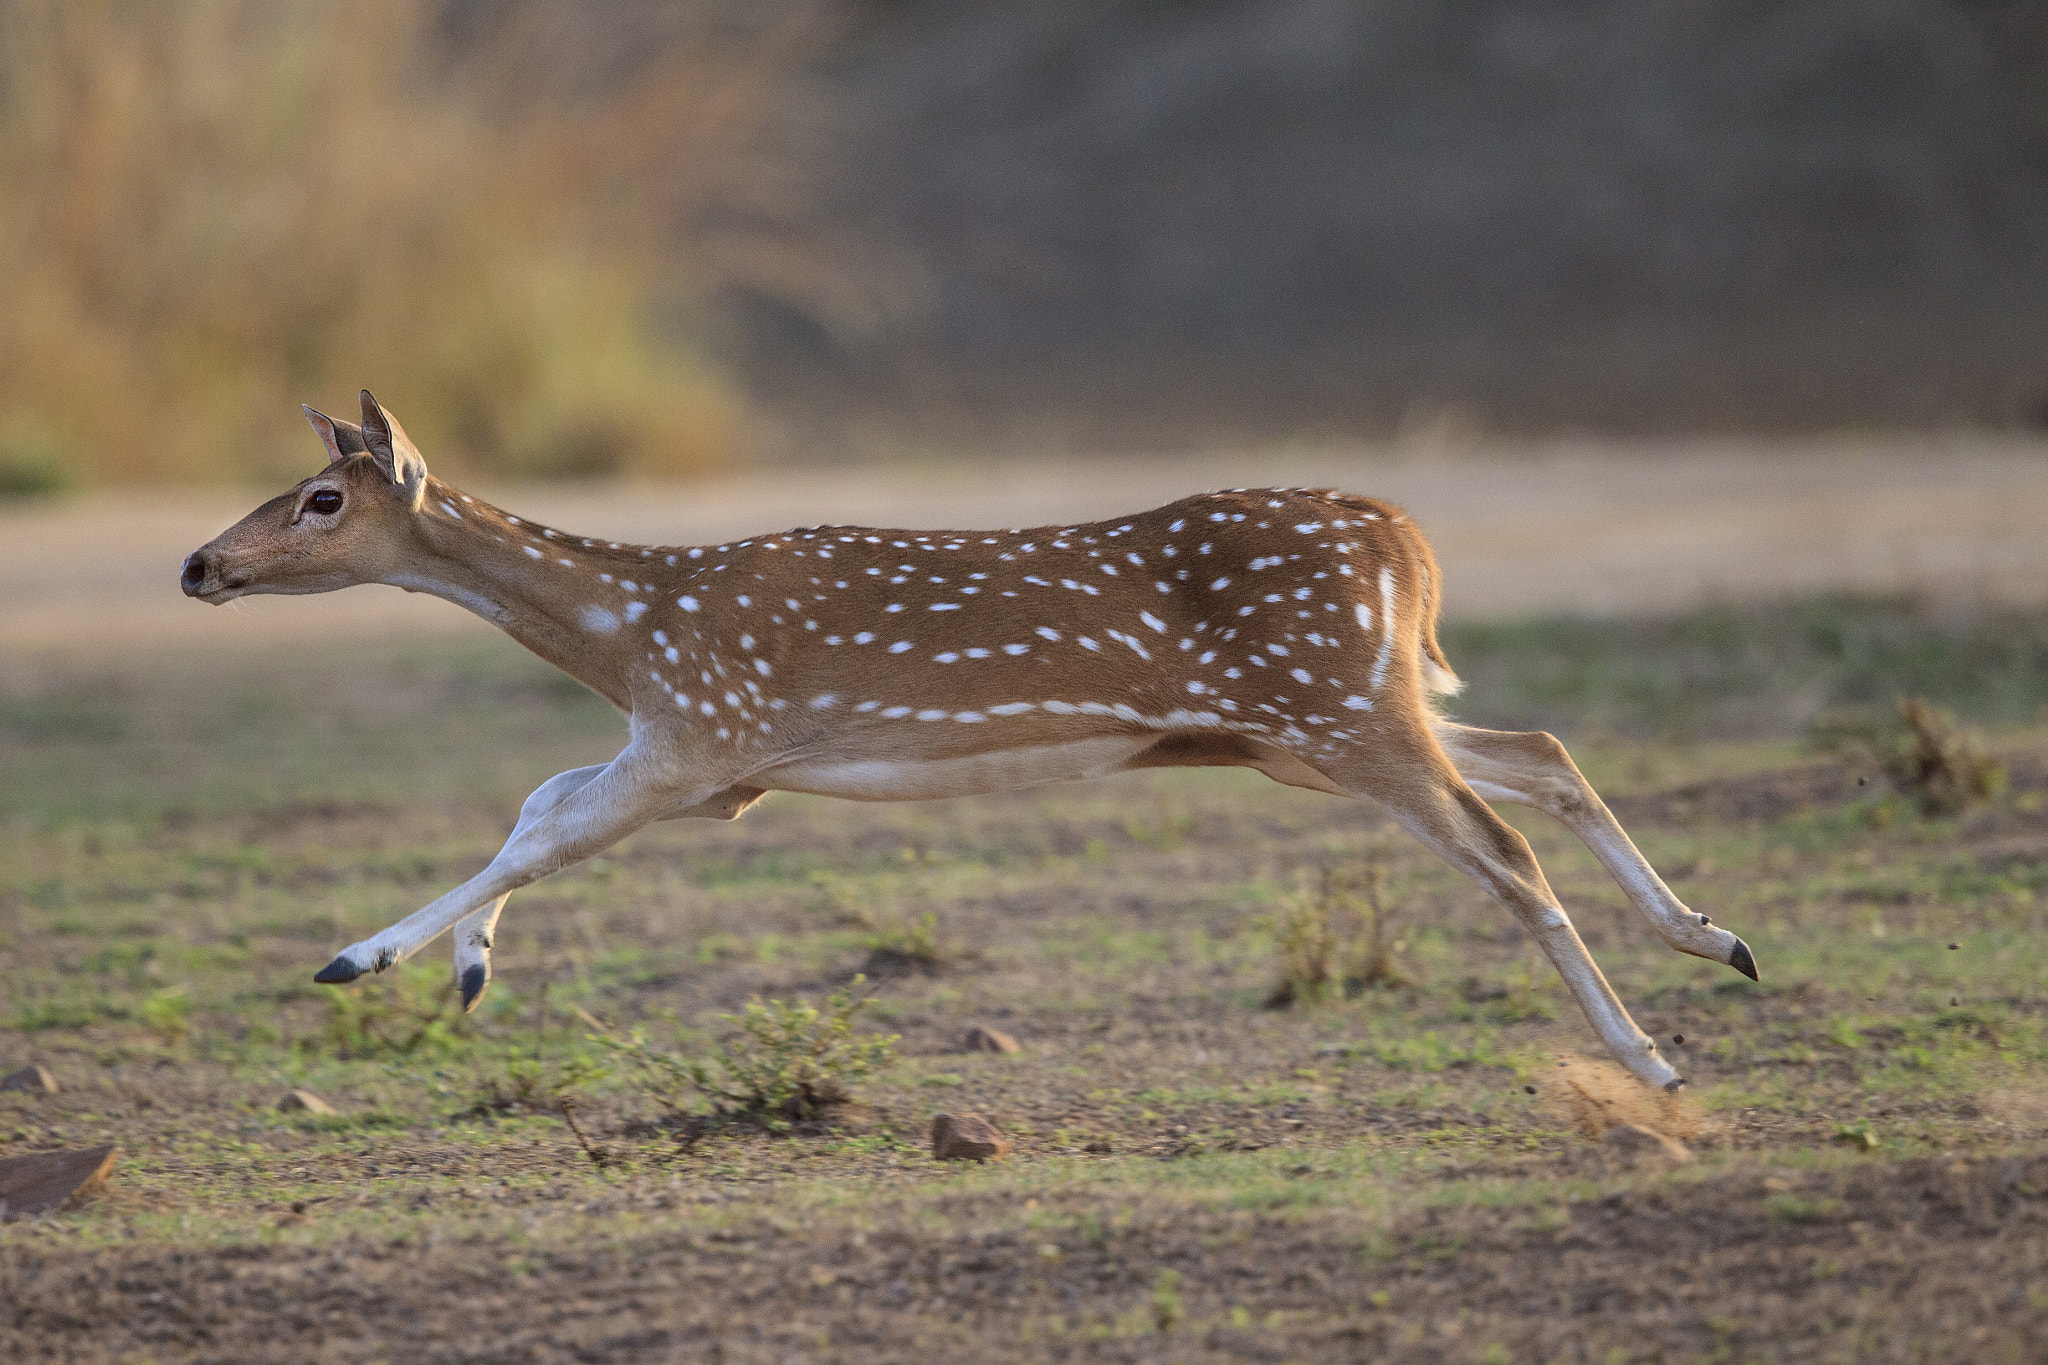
(1940, 763)
(1339, 939)
(210, 212)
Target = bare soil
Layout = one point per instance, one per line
(1929, 1259)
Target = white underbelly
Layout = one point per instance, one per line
(912, 779)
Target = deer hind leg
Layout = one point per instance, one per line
(1533, 769)
(476, 930)
(1425, 794)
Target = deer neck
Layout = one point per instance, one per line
(558, 595)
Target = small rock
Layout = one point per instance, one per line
(32, 1079)
(1633, 1142)
(981, 1039)
(966, 1137)
(304, 1101)
(43, 1182)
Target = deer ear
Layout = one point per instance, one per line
(393, 449)
(342, 439)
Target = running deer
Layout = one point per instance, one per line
(1285, 630)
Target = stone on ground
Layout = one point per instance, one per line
(304, 1101)
(43, 1182)
(966, 1137)
(981, 1039)
(32, 1079)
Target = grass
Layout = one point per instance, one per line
(1194, 1177)
(791, 1063)
(1743, 671)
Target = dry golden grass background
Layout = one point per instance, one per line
(213, 210)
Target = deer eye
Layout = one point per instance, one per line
(326, 502)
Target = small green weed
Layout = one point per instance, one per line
(1337, 941)
(408, 1016)
(165, 1012)
(1798, 1208)
(1933, 761)
(1940, 764)
(792, 1063)
(905, 946)
(1167, 1310)
(1169, 826)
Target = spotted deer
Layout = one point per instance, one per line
(1285, 630)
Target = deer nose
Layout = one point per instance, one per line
(193, 574)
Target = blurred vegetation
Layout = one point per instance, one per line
(1338, 939)
(1810, 666)
(790, 1063)
(1943, 764)
(212, 211)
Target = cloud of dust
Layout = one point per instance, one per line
(1594, 1096)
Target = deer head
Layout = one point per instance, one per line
(348, 524)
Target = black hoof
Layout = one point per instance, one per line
(1742, 962)
(474, 979)
(1675, 1083)
(338, 971)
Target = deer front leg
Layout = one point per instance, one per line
(473, 935)
(623, 796)
(473, 951)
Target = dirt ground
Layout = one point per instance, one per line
(1195, 1178)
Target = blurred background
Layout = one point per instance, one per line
(672, 237)
(1642, 308)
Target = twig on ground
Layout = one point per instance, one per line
(598, 1156)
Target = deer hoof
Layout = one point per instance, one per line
(338, 971)
(1742, 962)
(475, 977)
